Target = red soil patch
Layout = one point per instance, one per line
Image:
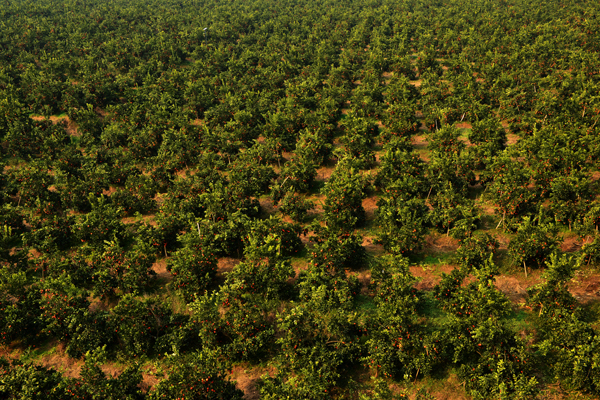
(267, 206)
(287, 155)
(487, 209)
(515, 290)
(441, 244)
(148, 382)
(364, 277)
(503, 241)
(298, 265)
(226, 264)
(586, 289)
(96, 304)
(109, 191)
(371, 247)
(246, 378)
(160, 267)
(60, 361)
(511, 139)
(463, 125)
(149, 219)
(571, 243)
(318, 200)
(429, 275)
(102, 113)
(370, 206)
(34, 253)
(419, 141)
(70, 126)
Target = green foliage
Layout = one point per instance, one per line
(20, 306)
(139, 323)
(553, 294)
(492, 360)
(193, 268)
(272, 238)
(399, 346)
(532, 243)
(403, 168)
(358, 140)
(325, 291)
(49, 234)
(570, 195)
(116, 268)
(295, 206)
(344, 193)
(313, 146)
(569, 344)
(265, 277)
(474, 251)
(402, 224)
(118, 109)
(28, 381)
(315, 347)
(488, 139)
(200, 375)
(509, 188)
(95, 384)
(249, 334)
(337, 250)
(102, 223)
(452, 213)
(66, 316)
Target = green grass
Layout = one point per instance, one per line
(518, 321)
(61, 115)
(431, 258)
(431, 308)
(301, 256)
(365, 304)
(45, 348)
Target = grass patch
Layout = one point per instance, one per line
(431, 308)
(301, 255)
(316, 187)
(518, 321)
(45, 348)
(365, 304)
(75, 140)
(431, 258)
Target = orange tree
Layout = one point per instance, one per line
(568, 343)
(200, 375)
(337, 249)
(315, 350)
(509, 190)
(193, 266)
(491, 359)
(400, 344)
(402, 224)
(65, 314)
(344, 193)
(533, 243)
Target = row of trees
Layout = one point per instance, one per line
(130, 137)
